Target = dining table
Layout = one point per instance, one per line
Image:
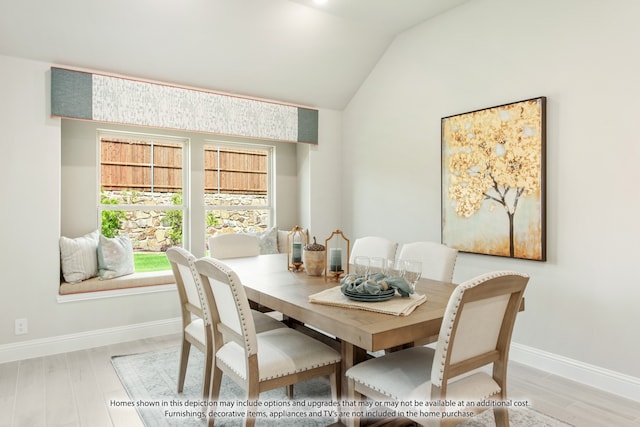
(269, 283)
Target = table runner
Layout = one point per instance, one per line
(396, 306)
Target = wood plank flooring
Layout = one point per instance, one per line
(73, 390)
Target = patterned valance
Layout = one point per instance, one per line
(88, 96)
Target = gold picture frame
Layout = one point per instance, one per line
(493, 180)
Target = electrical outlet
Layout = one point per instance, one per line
(22, 327)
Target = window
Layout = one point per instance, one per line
(238, 188)
(142, 193)
(93, 170)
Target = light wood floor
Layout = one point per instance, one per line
(73, 389)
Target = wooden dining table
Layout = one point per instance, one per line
(269, 283)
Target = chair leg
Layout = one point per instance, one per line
(209, 360)
(214, 392)
(253, 394)
(184, 360)
(290, 391)
(336, 383)
(335, 379)
(501, 416)
(449, 422)
(354, 396)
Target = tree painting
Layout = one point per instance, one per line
(493, 163)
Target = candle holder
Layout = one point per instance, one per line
(296, 240)
(337, 246)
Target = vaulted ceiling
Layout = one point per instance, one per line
(287, 50)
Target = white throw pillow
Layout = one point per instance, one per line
(79, 257)
(115, 257)
(268, 241)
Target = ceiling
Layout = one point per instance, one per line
(286, 50)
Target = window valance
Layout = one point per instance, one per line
(90, 96)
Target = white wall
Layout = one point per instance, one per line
(31, 151)
(32, 214)
(320, 178)
(31, 222)
(582, 303)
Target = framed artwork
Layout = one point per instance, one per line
(493, 180)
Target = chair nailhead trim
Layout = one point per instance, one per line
(462, 288)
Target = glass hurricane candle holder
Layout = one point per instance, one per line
(296, 240)
(337, 253)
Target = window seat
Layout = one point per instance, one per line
(135, 280)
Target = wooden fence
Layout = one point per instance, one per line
(142, 166)
(235, 171)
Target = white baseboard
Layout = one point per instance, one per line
(594, 376)
(83, 340)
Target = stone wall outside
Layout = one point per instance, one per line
(149, 230)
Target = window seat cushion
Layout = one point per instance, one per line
(123, 282)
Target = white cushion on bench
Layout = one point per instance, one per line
(130, 281)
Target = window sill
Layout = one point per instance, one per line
(133, 284)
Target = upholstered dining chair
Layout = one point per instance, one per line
(193, 328)
(256, 361)
(192, 323)
(438, 260)
(475, 332)
(237, 245)
(438, 263)
(233, 245)
(373, 246)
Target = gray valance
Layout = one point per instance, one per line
(89, 96)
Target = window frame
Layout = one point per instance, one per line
(270, 207)
(185, 176)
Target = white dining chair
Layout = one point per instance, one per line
(233, 245)
(475, 332)
(438, 263)
(255, 361)
(193, 328)
(373, 246)
(192, 323)
(438, 260)
(238, 245)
